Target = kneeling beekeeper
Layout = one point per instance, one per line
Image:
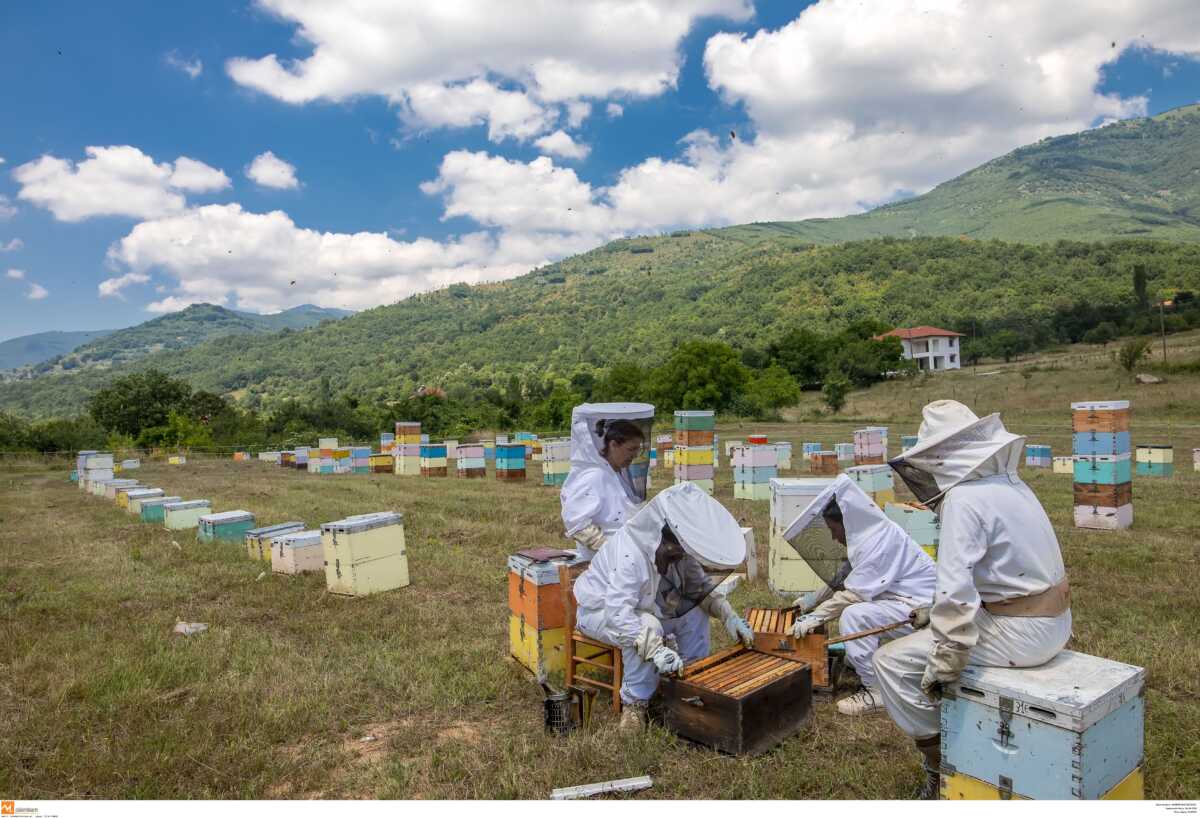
(889, 577)
(655, 578)
(1002, 598)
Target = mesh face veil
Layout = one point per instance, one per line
(984, 447)
(684, 581)
(814, 542)
(635, 478)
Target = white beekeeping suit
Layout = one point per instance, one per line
(637, 590)
(889, 577)
(1002, 597)
(597, 498)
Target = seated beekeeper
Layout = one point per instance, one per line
(1001, 599)
(655, 578)
(610, 465)
(889, 577)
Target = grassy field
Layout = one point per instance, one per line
(294, 693)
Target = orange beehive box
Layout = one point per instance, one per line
(534, 595)
(693, 437)
(1100, 416)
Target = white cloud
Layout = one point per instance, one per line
(37, 292)
(561, 144)
(193, 67)
(15, 274)
(7, 208)
(11, 246)
(613, 110)
(113, 286)
(269, 170)
(577, 112)
(114, 181)
(480, 54)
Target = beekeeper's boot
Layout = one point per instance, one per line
(931, 751)
(633, 717)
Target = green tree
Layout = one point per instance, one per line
(834, 391)
(138, 401)
(1141, 295)
(802, 353)
(1132, 352)
(699, 375)
(774, 388)
(1102, 334)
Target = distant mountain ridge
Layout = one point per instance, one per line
(637, 298)
(172, 332)
(27, 350)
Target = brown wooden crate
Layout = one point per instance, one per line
(693, 438)
(1087, 420)
(510, 475)
(1103, 494)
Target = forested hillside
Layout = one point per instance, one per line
(28, 350)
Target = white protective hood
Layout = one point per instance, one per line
(883, 558)
(953, 446)
(704, 527)
(593, 493)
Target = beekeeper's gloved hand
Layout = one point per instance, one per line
(666, 660)
(943, 666)
(806, 625)
(919, 617)
(739, 629)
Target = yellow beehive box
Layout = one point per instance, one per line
(959, 787)
(693, 455)
(176, 460)
(122, 495)
(541, 651)
(365, 554)
(1064, 465)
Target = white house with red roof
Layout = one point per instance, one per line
(932, 348)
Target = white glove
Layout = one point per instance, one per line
(591, 537)
(806, 602)
(740, 630)
(806, 625)
(666, 660)
(943, 666)
(919, 617)
(832, 608)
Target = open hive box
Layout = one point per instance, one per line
(773, 634)
(738, 701)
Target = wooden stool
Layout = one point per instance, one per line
(596, 650)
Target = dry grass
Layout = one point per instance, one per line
(295, 693)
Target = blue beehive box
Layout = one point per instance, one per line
(1070, 729)
(1098, 443)
(756, 474)
(1105, 469)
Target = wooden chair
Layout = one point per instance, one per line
(596, 654)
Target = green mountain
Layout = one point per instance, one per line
(42, 346)
(178, 331)
(635, 299)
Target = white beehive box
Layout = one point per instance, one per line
(185, 514)
(298, 552)
(365, 554)
(787, 572)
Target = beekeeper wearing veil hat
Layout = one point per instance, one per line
(654, 578)
(610, 467)
(1001, 598)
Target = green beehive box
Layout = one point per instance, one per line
(151, 510)
(695, 420)
(224, 526)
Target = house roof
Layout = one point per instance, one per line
(921, 332)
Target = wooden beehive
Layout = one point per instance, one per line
(739, 701)
(773, 634)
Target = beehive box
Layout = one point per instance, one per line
(132, 464)
(510, 462)
(433, 460)
(1155, 460)
(258, 540)
(694, 437)
(408, 448)
(177, 460)
(1100, 443)
(1104, 518)
(533, 590)
(876, 481)
(907, 442)
(470, 462)
(918, 522)
(297, 552)
(121, 497)
(787, 572)
(185, 514)
(1103, 469)
(541, 651)
(451, 449)
(150, 509)
(1100, 416)
(783, 455)
(365, 554)
(959, 787)
(381, 463)
(824, 463)
(1069, 729)
(844, 452)
(1103, 494)
(1038, 456)
(225, 526)
(773, 634)
(738, 701)
(870, 445)
(1196, 459)
(695, 420)
(556, 461)
(128, 499)
(1064, 465)
(754, 467)
(112, 486)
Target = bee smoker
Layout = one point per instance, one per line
(565, 712)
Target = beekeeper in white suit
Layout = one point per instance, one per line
(609, 471)
(655, 577)
(1002, 597)
(889, 577)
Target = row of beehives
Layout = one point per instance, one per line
(361, 554)
(96, 465)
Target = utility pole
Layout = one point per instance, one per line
(1162, 327)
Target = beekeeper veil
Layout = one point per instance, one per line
(954, 446)
(878, 550)
(622, 430)
(694, 543)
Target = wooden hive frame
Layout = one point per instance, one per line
(773, 634)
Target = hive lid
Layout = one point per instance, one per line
(1072, 690)
(186, 504)
(1100, 405)
(122, 482)
(160, 501)
(800, 485)
(138, 494)
(364, 522)
(299, 539)
(219, 517)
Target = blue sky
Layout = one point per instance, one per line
(405, 149)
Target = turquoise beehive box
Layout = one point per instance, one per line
(1103, 469)
(151, 510)
(1072, 728)
(225, 526)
